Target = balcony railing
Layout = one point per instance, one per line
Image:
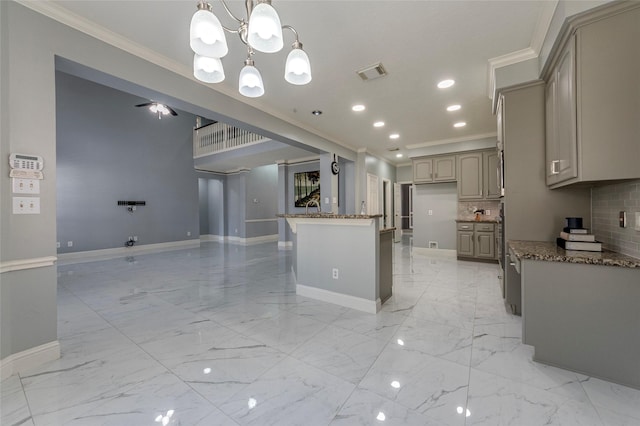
(219, 137)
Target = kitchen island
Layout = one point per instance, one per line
(580, 309)
(342, 259)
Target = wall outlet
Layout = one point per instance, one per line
(637, 226)
(487, 212)
(69, 243)
(433, 244)
(622, 219)
(58, 244)
(188, 233)
(135, 238)
(430, 212)
(334, 273)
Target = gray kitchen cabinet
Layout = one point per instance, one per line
(592, 106)
(434, 169)
(478, 176)
(470, 181)
(476, 240)
(491, 181)
(583, 318)
(422, 170)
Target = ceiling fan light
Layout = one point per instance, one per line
(207, 36)
(250, 82)
(265, 29)
(208, 70)
(297, 69)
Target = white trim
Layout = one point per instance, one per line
(29, 359)
(21, 264)
(261, 220)
(543, 24)
(345, 300)
(453, 140)
(233, 148)
(112, 253)
(298, 161)
(285, 245)
(210, 237)
(424, 251)
(252, 240)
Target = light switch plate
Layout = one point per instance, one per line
(622, 219)
(25, 186)
(26, 205)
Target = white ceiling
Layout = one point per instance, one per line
(419, 43)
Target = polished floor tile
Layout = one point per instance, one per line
(216, 335)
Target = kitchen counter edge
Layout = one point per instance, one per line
(330, 216)
(550, 252)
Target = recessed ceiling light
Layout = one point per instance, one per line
(316, 112)
(460, 124)
(446, 83)
(398, 155)
(358, 108)
(453, 107)
(378, 124)
(394, 136)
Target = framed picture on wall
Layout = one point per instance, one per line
(306, 187)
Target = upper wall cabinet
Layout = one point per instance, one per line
(592, 99)
(434, 169)
(478, 176)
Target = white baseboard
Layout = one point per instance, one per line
(112, 253)
(239, 240)
(285, 245)
(345, 300)
(29, 359)
(210, 237)
(435, 252)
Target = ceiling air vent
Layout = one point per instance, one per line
(394, 149)
(372, 72)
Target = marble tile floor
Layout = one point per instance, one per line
(217, 336)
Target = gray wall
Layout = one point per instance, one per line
(404, 173)
(442, 199)
(262, 201)
(107, 150)
(234, 201)
(607, 202)
(211, 199)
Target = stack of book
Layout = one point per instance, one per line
(578, 239)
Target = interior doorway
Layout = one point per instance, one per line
(406, 195)
(387, 203)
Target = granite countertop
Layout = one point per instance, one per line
(330, 216)
(549, 251)
(488, 220)
(387, 230)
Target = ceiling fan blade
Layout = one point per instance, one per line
(145, 104)
(171, 110)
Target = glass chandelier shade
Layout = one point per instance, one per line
(208, 70)
(250, 81)
(265, 29)
(297, 69)
(207, 36)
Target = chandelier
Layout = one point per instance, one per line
(261, 31)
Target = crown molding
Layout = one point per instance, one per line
(533, 51)
(452, 140)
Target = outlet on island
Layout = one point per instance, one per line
(335, 273)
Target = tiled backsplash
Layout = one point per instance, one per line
(607, 203)
(466, 209)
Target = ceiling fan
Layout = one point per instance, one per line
(158, 108)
